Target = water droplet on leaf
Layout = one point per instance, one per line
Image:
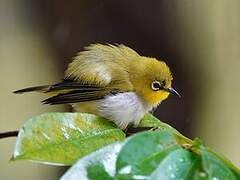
(173, 176)
(202, 174)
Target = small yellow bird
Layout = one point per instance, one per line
(112, 81)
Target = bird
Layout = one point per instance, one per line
(113, 82)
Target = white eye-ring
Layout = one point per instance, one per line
(156, 85)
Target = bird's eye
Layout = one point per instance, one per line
(156, 85)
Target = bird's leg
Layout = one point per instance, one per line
(130, 130)
(153, 128)
(127, 132)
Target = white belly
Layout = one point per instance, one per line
(123, 109)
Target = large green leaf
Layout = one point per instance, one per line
(97, 165)
(62, 138)
(154, 155)
(143, 145)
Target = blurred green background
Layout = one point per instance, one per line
(199, 40)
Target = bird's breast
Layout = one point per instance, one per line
(123, 109)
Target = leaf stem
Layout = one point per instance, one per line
(8, 134)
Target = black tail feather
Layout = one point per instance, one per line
(31, 89)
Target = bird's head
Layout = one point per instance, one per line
(152, 81)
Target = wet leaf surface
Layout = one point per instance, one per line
(62, 138)
(103, 153)
(97, 165)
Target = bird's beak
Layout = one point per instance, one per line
(173, 91)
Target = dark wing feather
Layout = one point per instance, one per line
(69, 91)
(75, 92)
(71, 85)
(75, 96)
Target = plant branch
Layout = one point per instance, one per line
(8, 134)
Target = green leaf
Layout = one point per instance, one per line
(177, 165)
(97, 165)
(215, 167)
(62, 138)
(226, 162)
(143, 145)
(157, 155)
(150, 121)
(149, 164)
